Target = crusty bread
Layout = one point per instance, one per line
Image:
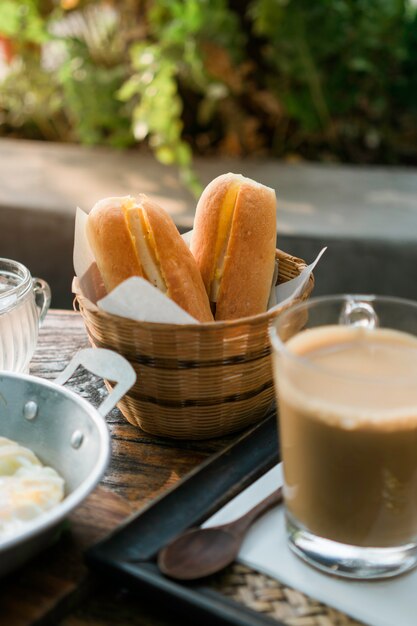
(233, 242)
(136, 237)
(108, 236)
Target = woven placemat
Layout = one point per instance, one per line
(267, 595)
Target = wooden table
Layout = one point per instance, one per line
(56, 587)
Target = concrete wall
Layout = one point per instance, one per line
(42, 241)
(359, 265)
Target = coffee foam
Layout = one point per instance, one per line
(321, 388)
(348, 417)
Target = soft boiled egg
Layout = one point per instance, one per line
(27, 488)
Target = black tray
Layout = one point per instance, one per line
(131, 551)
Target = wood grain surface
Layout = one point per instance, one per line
(56, 587)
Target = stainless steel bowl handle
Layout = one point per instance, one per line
(106, 364)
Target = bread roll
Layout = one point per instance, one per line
(233, 242)
(136, 237)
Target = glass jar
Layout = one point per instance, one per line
(24, 302)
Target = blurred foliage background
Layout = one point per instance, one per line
(330, 80)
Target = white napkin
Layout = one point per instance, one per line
(390, 602)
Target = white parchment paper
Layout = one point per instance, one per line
(390, 602)
(137, 299)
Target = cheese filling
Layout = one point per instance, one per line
(223, 235)
(144, 244)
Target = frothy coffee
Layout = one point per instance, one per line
(348, 420)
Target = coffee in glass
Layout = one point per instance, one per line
(347, 394)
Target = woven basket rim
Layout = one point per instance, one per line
(229, 324)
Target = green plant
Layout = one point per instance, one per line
(23, 21)
(88, 91)
(332, 79)
(332, 67)
(173, 57)
(65, 73)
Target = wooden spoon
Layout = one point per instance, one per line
(199, 552)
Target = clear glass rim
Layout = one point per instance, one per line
(22, 272)
(280, 346)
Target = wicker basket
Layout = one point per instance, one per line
(194, 381)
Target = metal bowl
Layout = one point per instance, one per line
(65, 432)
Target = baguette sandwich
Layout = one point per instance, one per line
(233, 242)
(136, 237)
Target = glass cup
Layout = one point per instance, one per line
(346, 388)
(24, 302)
